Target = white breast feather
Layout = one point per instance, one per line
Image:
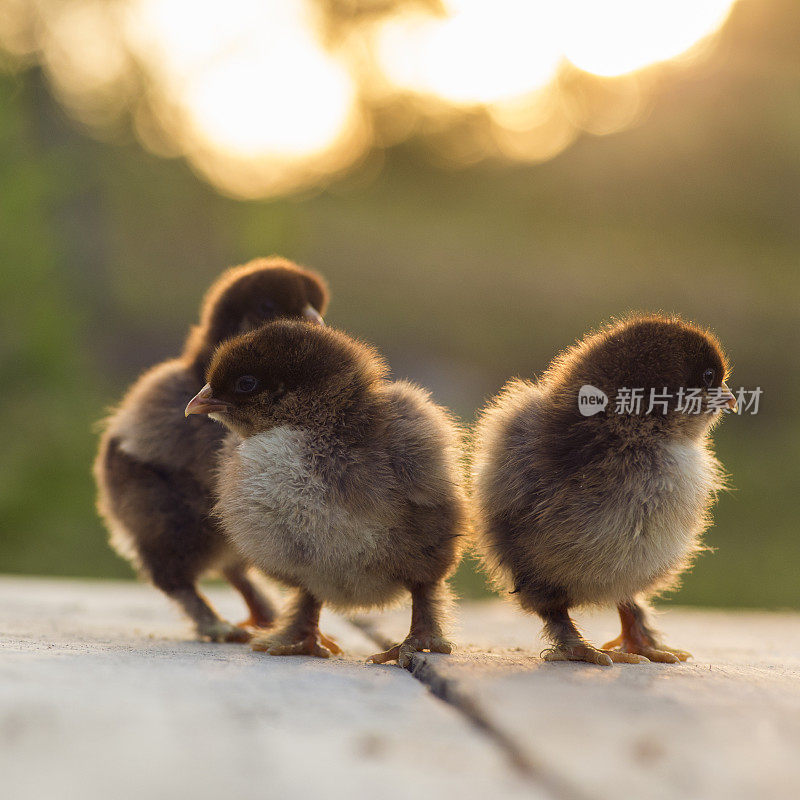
(663, 525)
(280, 514)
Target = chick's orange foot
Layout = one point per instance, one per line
(329, 643)
(638, 636)
(591, 655)
(403, 653)
(222, 631)
(310, 644)
(658, 652)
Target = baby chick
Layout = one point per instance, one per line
(607, 507)
(341, 484)
(154, 472)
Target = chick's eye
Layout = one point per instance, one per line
(708, 378)
(246, 384)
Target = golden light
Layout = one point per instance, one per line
(84, 57)
(478, 53)
(614, 37)
(243, 105)
(264, 97)
(83, 47)
(253, 81)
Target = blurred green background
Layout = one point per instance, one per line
(462, 277)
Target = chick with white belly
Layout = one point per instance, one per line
(589, 506)
(338, 483)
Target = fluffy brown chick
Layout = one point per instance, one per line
(607, 507)
(154, 471)
(341, 484)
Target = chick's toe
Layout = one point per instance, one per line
(222, 631)
(664, 655)
(306, 646)
(647, 651)
(329, 643)
(392, 654)
(404, 652)
(577, 652)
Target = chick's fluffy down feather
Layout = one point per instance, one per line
(354, 524)
(624, 524)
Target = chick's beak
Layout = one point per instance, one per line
(728, 397)
(204, 402)
(312, 315)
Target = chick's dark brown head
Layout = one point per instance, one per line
(288, 372)
(678, 365)
(246, 297)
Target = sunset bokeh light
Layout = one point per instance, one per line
(286, 98)
(478, 53)
(252, 94)
(264, 97)
(617, 36)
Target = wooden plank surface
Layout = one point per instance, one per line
(104, 695)
(724, 725)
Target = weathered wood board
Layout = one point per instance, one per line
(103, 695)
(724, 725)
